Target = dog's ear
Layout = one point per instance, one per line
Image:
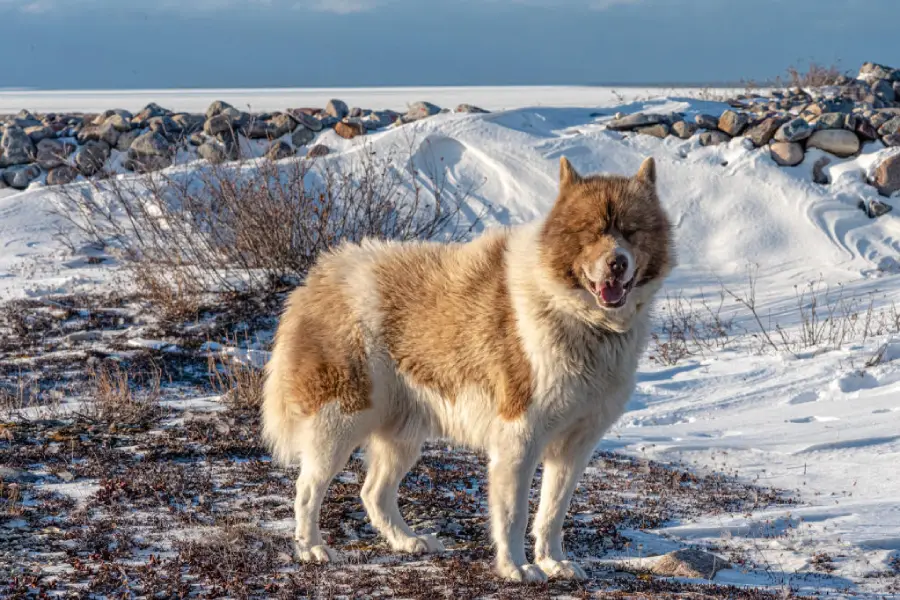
(567, 173)
(647, 172)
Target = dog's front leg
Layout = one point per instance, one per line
(564, 462)
(510, 474)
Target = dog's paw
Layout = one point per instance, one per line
(419, 544)
(316, 554)
(521, 573)
(561, 569)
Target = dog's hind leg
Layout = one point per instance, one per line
(389, 460)
(322, 459)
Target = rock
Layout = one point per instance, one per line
(257, 129)
(818, 172)
(886, 175)
(12, 475)
(694, 564)
(151, 143)
(302, 136)
(91, 157)
(421, 110)
(866, 131)
(839, 142)
(684, 130)
(379, 119)
(189, 123)
(793, 131)
(630, 122)
(707, 121)
(119, 123)
(787, 154)
(308, 121)
(349, 130)
(890, 127)
(874, 208)
(53, 153)
(218, 124)
(61, 175)
(127, 139)
(282, 124)
(337, 109)
(763, 132)
(213, 151)
(197, 138)
(40, 132)
(317, 150)
(832, 120)
(468, 108)
(278, 150)
(733, 123)
(16, 147)
(891, 141)
(20, 177)
(146, 163)
(151, 110)
(355, 112)
(216, 108)
(884, 91)
(714, 138)
(108, 133)
(870, 72)
(660, 130)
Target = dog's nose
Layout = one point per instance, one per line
(618, 265)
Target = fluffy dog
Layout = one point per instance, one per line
(522, 344)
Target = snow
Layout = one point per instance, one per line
(814, 420)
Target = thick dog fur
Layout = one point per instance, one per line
(522, 343)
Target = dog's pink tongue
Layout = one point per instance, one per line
(612, 292)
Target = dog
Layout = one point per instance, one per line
(522, 344)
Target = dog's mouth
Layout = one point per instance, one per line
(611, 293)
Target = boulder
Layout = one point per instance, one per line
(213, 151)
(337, 109)
(61, 175)
(308, 121)
(282, 124)
(714, 138)
(891, 141)
(317, 151)
(630, 122)
(127, 138)
(469, 108)
(763, 132)
(16, 147)
(787, 154)
(40, 132)
(886, 174)
(833, 120)
(733, 123)
(890, 127)
(218, 124)
(793, 131)
(865, 130)
(279, 150)
(420, 110)
(151, 110)
(707, 121)
(53, 153)
(302, 136)
(693, 564)
(684, 130)
(216, 108)
(660, 130)
(146, 163)
(91, 157)
(21, 176)
(839, 142)
(349, 130)
(152, 143)
(871, 72)
(189, 123)
(819, 174)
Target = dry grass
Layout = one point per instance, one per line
(122, 396)
(239, 384)
(811, 76)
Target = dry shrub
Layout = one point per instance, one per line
(815, 75)
(260, 225)
(685, 328)
(122, 397)
(240, 384)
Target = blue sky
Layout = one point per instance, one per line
(102, 44)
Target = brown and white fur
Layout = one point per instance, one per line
(522, 343)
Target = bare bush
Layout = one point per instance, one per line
(260, 225)
(123, 397)
(240, 384)
(686, 328)
(814, 75)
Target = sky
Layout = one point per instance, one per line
(147, 44)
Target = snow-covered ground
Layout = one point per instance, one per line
(816, 420)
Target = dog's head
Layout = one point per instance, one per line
(608, 241)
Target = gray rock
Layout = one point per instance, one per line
(355, 112)
(40, 132)
(787, 154)
(684, 130)
(421, 110)
(197, 138)
(630, 122)
(870, 72)
(839, 142)
(793, 131)
(694, 564)
(302, 136)
(886, 175)
(883, 90)
(310, 122)
(189, 123)
(282, 124)
(216, 108)
(213, 151)
(880, 118)
(61, 175)
(337, 109)
(317, 151)
(831, 120)
(733, 123)
(19, 177)
(91, 157)
(127, 138)
(119, 123)
(763, 132)
(151, 110)
(818, 172)
(707, 121)
(890, 127)
(279, 150)
(218, 124)
(146, 163)
(257, 129)
(469, 108)
(660, 130)
(151, 143)
(17, 148)
(379, 119)
(874, 208)
(53, 153)
(11, 475)
(865, 130)
(891, 141)
(714, 138)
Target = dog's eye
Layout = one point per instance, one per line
(628, 233)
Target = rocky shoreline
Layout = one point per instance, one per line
(56, 149)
